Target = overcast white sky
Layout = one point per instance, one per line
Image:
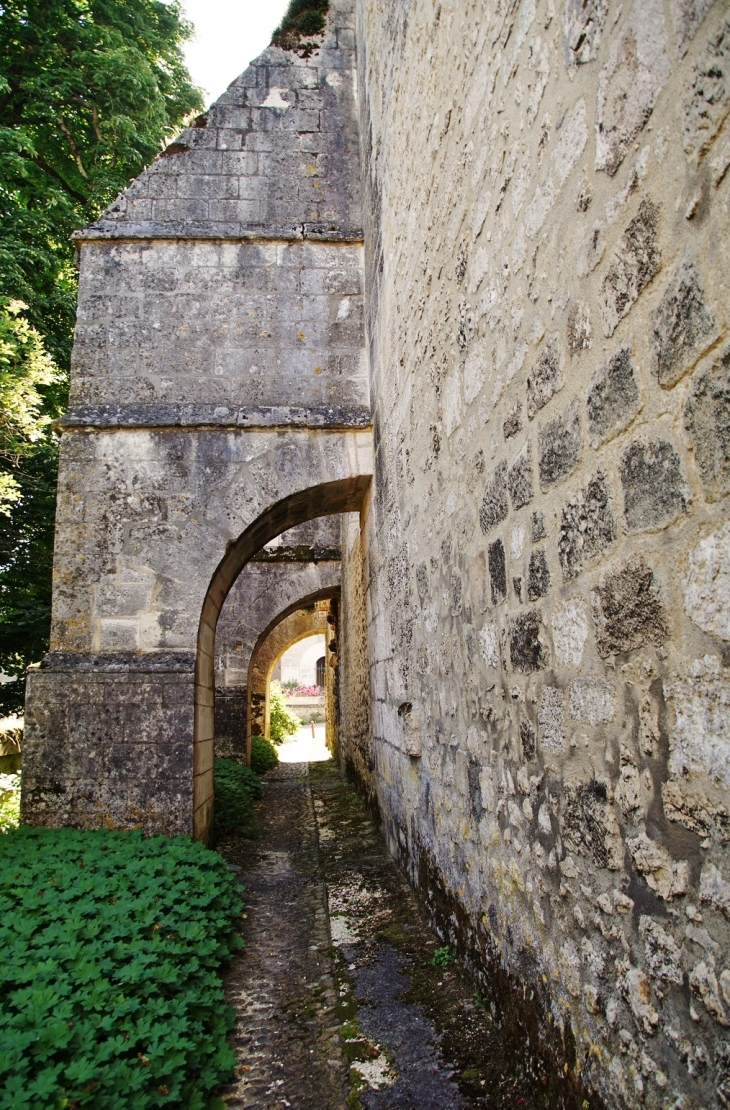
(228, 35)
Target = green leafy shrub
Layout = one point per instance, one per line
(282, 722)
(303, 18)
(109, 989)
(236, 788)
(264, 755)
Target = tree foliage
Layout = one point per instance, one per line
(90, 91)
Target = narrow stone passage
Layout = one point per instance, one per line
(287, 1037)
(340, 1003)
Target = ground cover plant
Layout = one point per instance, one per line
(264, 755)
(236, 789)
(109, 989)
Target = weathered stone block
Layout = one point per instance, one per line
(583, 22)
(665, 876)
(705, 102)
(587, 527)
(634, 264)
(613, 399)
(513, 424)
(683, 325)
(104, 751)
(558, 447)
(707, 586)
(653, 484)
(545, 380)
(537, 526)
(630, 82)
(569, 626)
(589, 826)
(592, 700)
(627, 609)
(578, 328)
(687, 15)
(519, 478)
(538, 575)
(497, 571)
(528, 739)
(693, 809)
(707, 419)
(699, 740)
(526, 650)
(495, 505)
(489, 644)
(551, 720)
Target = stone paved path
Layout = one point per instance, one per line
(340, 1005)
(287, 1039)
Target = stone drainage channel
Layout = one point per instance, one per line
(342, 993)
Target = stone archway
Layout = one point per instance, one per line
(293, 627)
(112, 735)
(346, 495)
(298, 565)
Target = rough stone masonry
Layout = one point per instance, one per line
(534, 633)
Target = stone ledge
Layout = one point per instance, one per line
(298, 553)
(222, 416)
(183, 229)
(181, 662)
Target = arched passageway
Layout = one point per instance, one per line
(291, 629)
(346, 495)
(296, 568)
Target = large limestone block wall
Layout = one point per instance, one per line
(144, 519)
(146, 515)
(548, 553)
(225, 333)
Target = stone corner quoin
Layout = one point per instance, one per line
(516, 272)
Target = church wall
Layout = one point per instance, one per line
(548, 549)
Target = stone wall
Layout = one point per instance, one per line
(548, 544)
(351, 636)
